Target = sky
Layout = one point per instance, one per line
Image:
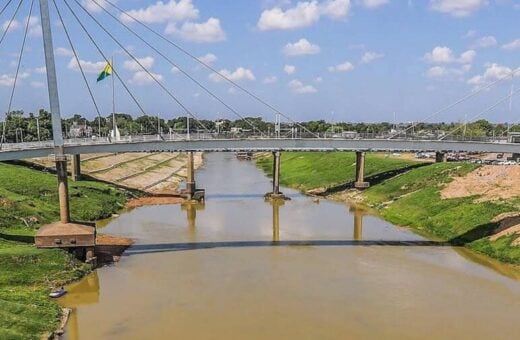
(338, 60)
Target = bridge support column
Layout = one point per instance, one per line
(63, 187)
(441, 157)
(190, 178)
(360, 171)
(276, 194)
(276, 172)
(75, 167)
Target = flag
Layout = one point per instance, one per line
(107, 71)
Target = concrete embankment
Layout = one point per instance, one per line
(150, 172)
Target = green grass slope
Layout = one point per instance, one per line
(309, 170)
(28, 199)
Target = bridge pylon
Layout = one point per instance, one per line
(63, 234)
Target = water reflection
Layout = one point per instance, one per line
(191, 209)
(81, 293)
(276, 204)
(358, 214)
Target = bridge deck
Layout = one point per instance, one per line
(237, 145)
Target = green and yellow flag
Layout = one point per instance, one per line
(107, 71)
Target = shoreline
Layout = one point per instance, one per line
(411, 199)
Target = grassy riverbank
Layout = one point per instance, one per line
(28, 199)
(413, 199)
(311, 170)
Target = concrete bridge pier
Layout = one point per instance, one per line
(360, 171)
(191, 192)
(75, 167)
(276, 172)
(441, 157)
(276, 194)
(190, 177)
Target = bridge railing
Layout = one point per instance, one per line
(243, 135)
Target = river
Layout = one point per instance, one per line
(240, 268)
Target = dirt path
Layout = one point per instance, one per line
(490, 182)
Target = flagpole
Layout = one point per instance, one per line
(113, 99)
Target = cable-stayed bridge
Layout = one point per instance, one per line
(74, 18)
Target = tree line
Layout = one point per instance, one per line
(34, 127)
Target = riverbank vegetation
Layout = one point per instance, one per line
(29, 127)
(28, 199)
(312, 170)
(412, 199)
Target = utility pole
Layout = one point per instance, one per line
(57, 133)
(38, 128)
(188, 127)
(158, 127)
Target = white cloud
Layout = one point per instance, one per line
(303, 14)
(447, 72)
(34, 29)
(469, 34)
(336, 9)
(440, 55)
(209, 58)
(301, 47)
(270, 80)
(174, 70)
(205, 32)
(485, 42)
(444, 55)
(37, 84)
(240, 73)
(6, 80)
(91, 6)
(40, 70)
(372, 4)
(436, 72)
(87, 66)
(15, 24)
(467, 57)
(369, 57)
(493, 72)
(161, 12)
(299, 88)
(143, 78)
(318, 79)
(513, 45)
(133, 65)
(343, 67)
(457, 8)
(63, 52)
(289, 69)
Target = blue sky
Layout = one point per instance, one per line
(358, 60)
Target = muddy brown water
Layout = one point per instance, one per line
(240, 268)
